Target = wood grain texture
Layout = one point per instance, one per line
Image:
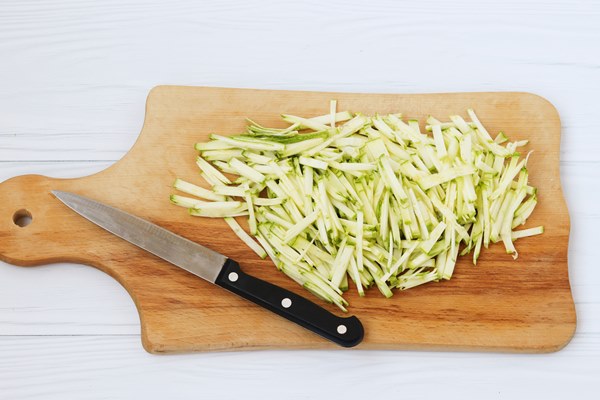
(74, 77)
(500, 305)
(78, 367)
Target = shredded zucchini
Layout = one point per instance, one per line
(374, 200)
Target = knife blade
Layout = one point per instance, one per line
(216, 268)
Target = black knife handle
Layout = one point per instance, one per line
(347, 332)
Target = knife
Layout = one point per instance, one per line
(217, 269)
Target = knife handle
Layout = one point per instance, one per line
(346, 332)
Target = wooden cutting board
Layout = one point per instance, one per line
(498, 305)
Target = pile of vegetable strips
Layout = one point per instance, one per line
(371, 199)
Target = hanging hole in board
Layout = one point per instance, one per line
(22, 218)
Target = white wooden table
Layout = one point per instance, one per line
(73, 81)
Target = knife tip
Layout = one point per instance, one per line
(57, 193)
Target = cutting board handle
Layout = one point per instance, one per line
(27, 219)
(36, 228)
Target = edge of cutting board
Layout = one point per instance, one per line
(114, 256)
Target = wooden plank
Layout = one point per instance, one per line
(489, 307)
(95, 367)
(54, 169)
(80, 95)
(80, 301)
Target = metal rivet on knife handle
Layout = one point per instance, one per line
(233, 277)
(286, 303)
